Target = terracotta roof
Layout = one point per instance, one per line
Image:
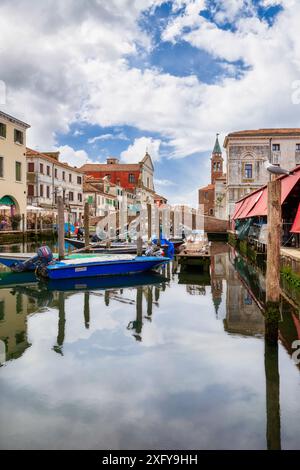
(280, 132)
(158, 196)
(30, 153)
(110, 167)
(208, 187)
(92, 188)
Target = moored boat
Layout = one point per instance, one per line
(100, 266)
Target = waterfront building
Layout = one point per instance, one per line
(133, 177)
(12, 167)
(101, 196)
(211, 197)
(246, 153)
(47, 176)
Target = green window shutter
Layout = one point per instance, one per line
(18, 171)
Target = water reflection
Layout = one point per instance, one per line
(195, 340)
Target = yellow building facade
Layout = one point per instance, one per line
(13, 189)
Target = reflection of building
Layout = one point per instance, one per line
(12, 165)
(243, 315)
(217, 273)
(14, 309)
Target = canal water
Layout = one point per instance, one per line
(168, 361)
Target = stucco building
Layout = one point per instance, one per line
(133, 177)
(12, 165)
(46, 176)
(246, 153)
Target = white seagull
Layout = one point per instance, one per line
(276, 169)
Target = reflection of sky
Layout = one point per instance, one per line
(188, 384)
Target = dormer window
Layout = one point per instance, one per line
(19, 137)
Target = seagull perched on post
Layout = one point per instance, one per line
(276, 169)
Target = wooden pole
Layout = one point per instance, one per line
(272, 396)
(272, 314)
(149, 217)
(61, 227)
(86, 224)
(139, 245)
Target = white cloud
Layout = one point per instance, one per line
(119, 136)
(77, 71)
(136, 152)
(164, 182)
(73, 157)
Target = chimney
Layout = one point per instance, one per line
(112, 161)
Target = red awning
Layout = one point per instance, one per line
(237, 208)
(257, 204)
(296, 225)
(249, 203)
(261, 207)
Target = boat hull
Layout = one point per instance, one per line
(62, 270)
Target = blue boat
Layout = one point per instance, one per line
(102, 266)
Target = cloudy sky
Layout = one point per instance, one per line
(96, 78)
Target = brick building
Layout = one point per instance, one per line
(134, 177)
(207, 195)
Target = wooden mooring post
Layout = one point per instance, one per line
(61, 227)
(273, 260)
(86, 224)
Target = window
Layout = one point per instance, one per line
(70, 178)
(18, 171)
(18, 137)
(131, 178)
(71, 196)
(248, 171)
(48, 192)
(297, 147)
(1, 167)
(2, 130)
(48, 170)
(79, 197)
(64, 175)
(148, 182)
(211, 212)
(64, 195)
(30, 167)
(276, 147)
(41, 190)
(79, 180)
(30, 190)
(41, 168)
(55, 173)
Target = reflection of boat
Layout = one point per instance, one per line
(9, 279)
(105, 265)
(104, 283)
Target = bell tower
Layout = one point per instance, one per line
(216, 162)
